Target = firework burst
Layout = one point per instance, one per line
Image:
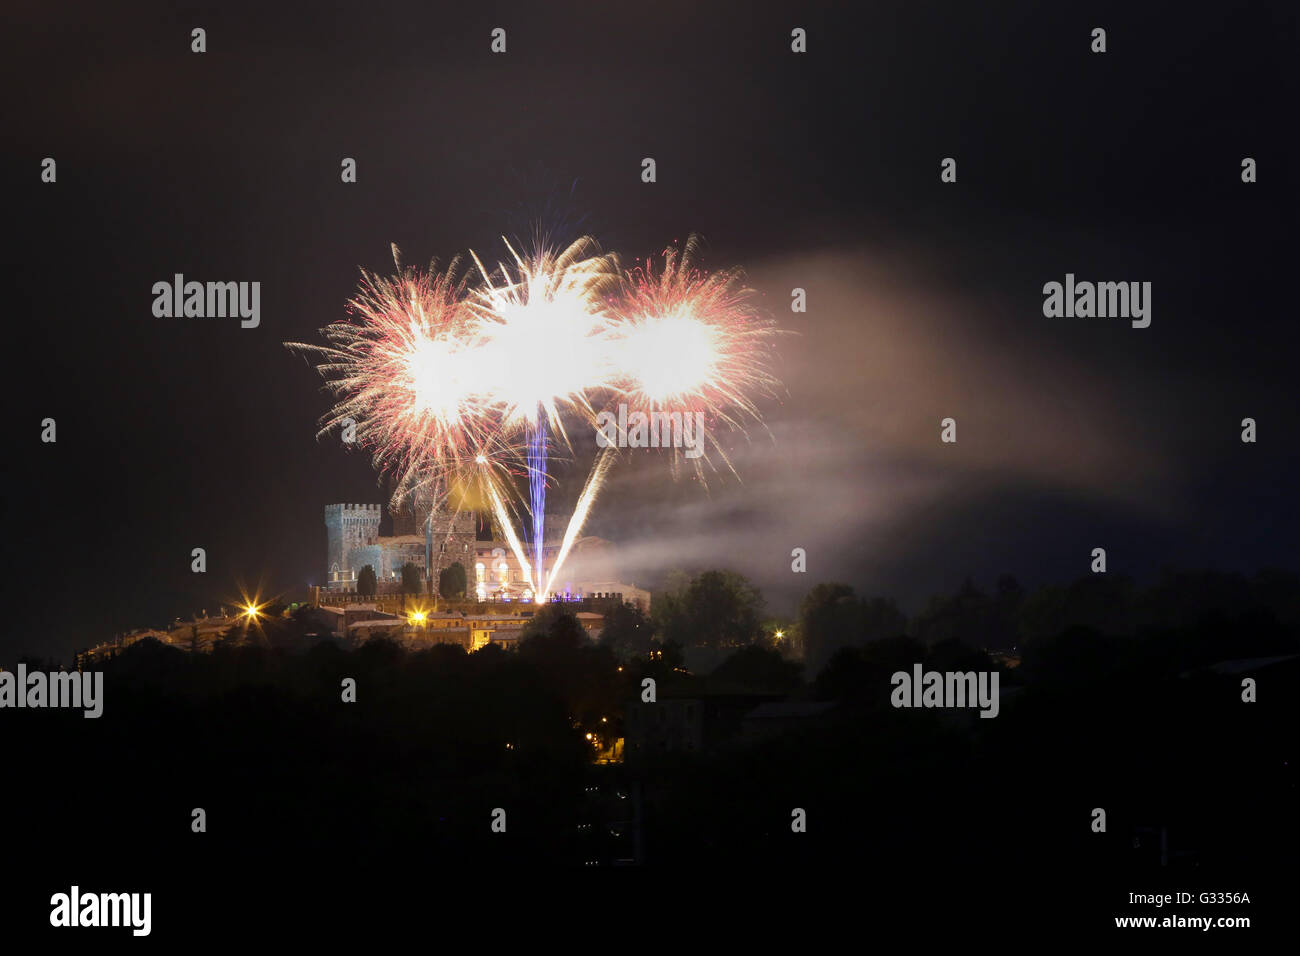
(693, 342)
(401, 370)
(542, 333)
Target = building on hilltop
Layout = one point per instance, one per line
(433, 539)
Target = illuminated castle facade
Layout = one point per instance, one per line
(353, 541)
(434, 539)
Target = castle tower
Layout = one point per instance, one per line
(410, 517)
(449, 537)
(347, 528)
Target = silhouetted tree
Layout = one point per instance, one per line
(569, 665)
(758, 669)
(410, 579)
(967, 616)
(1007, 602)
(717, 609)
(452, 581)
(1102, 602)
(366, 582)
(830, 617)
(627, 631)
(881, 618)
(546, 619)
(863, 673)
(666, 610)
(557, 629)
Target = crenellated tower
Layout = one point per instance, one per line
(347, 528)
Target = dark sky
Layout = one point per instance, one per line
(819, 171)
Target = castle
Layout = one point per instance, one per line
(432, 539)
(353, 541)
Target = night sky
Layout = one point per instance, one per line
(818, 171)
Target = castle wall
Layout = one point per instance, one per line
(399, 551)
(371, 554)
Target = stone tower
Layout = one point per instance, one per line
(450, 538)
(409, 518)
(347, 528)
